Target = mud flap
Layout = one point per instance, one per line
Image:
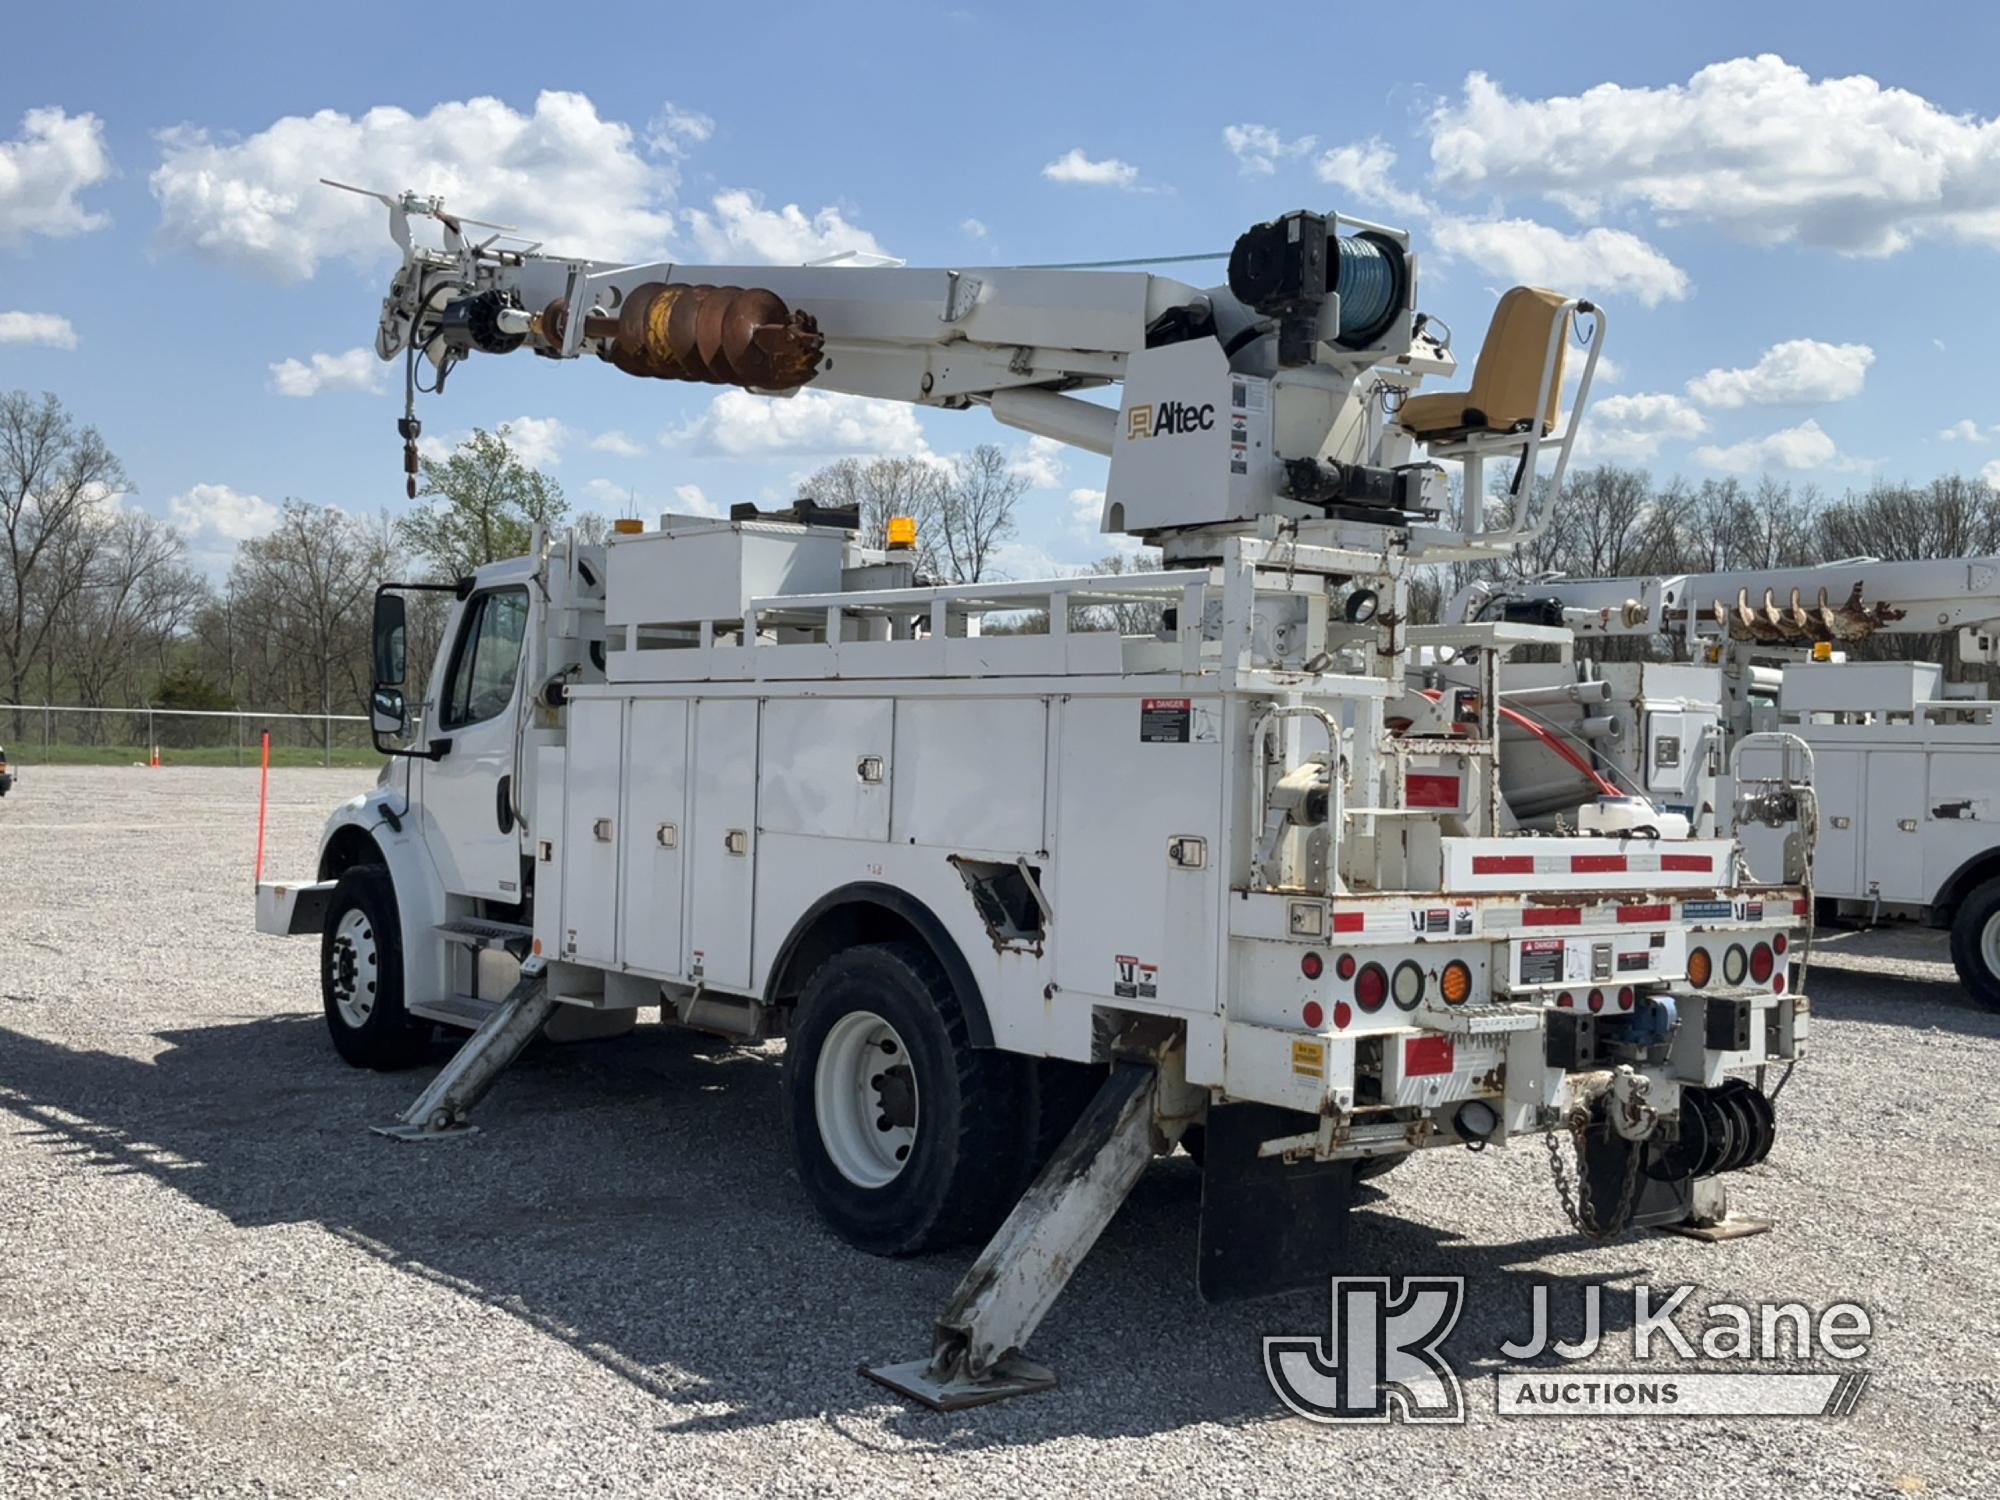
(1663, 1194)
(1265, 1226)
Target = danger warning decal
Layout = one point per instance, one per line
(1136, 980)
(1165, 721)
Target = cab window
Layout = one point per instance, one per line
(487, 657)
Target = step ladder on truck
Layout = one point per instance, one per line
(1899, 759)
(1030, 908)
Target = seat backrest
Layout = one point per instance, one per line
(1508, 376)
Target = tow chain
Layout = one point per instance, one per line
(1576, 1204)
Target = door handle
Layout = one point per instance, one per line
(503, 804)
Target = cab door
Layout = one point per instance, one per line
(469, 794)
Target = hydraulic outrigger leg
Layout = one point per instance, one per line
(441, 1109)
(976, 1353)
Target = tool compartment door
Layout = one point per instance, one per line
(1131, 922)
(656, 835)
(722, 840)
(591, 830)
(1897, 783)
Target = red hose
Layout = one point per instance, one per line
(1549, 741)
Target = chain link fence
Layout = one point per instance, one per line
(59, 734)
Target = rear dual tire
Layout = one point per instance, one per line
(1975, 944)
(905, 1135)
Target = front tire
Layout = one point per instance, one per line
(1975, 944)
(905, 1135)
(361, 974)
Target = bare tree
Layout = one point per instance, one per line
(55, 478)
(976, 512)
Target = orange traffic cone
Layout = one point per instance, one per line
(155, 762)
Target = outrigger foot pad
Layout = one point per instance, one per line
(1012, 1376)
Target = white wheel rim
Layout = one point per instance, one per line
(1989, 944)
(355, 968)
(865, 1100)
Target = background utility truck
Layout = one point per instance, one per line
(1769, 686)
(1029, 908)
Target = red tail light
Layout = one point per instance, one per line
(1344, 966)
(1313, 1014)
(1625, 998)
(1597, 999)
(1371, 987)
(1566, 1000)
(1312, 966)
(1779, 944)
(1761, 963)
(1343, 1015)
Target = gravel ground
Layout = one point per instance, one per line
(213, 1281)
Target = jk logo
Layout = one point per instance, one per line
(1380, 1356)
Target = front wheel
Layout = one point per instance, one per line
(905, 1135)
(1975, 944)
(361, 973)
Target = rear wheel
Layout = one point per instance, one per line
(905, 1134)
(361, 974)
(1975, 944)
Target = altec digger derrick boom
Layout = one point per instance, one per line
(1040, 878)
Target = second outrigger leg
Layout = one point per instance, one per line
(441, 1109)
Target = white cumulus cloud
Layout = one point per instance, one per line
(37, 328)
(1636, 426)
(354, 370)
(1602, 262)
(1805, 446)
(1797, 370)
(1965, 430)
(562, 173)
(1073, 166)
(1041, 462)
(973, 229)
(1258, 148)
(1367, 171)
(1991, 474)
(736, 229)
(45, 169)
(1753, 145)
(537, 441)
(215, 512)
(811, 424)
(616, 443)
(690, 500)
(673, 130)
(1086, 508)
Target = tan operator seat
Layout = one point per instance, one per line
(1507, 378)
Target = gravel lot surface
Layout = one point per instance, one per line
(214, 1281)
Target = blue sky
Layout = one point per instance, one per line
(1793, 212)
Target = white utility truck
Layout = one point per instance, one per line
(1029, 908)
(1902, 763)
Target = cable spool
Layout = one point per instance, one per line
(1368, 275)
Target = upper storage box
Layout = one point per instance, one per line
(688, 572)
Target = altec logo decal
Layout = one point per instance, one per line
(1168, 417)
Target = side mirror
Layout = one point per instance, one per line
(391, 632)
(387, 714)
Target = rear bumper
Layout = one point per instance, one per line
(292, 908)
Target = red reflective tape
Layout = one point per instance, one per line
(1799, 908)
(1347, 921)
(1424, 789)
(1597, 864)
(1701, 862)
(1503, 864)
(1552, 916)
(1424, 1056)
(1660, 913)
